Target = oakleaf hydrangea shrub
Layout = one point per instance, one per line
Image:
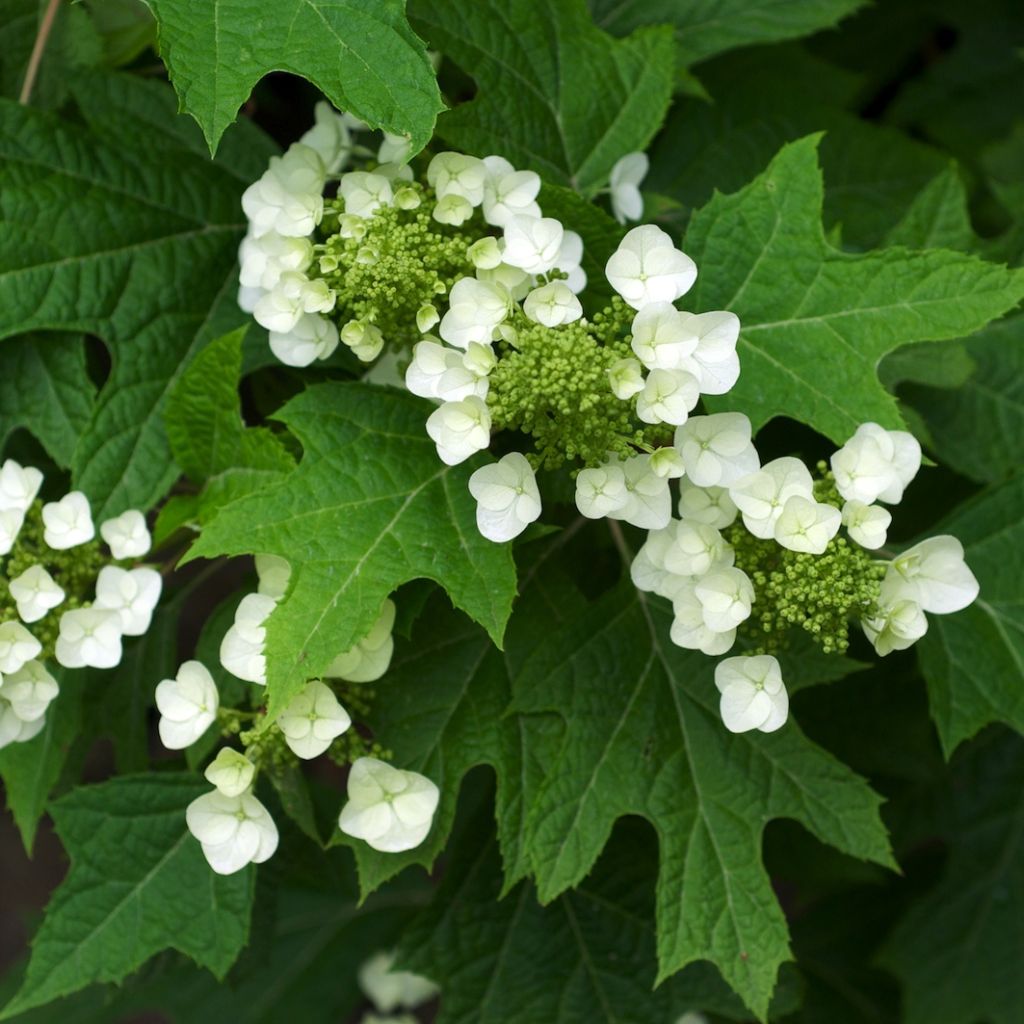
(474, 451)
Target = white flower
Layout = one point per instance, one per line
(369, 659)
(265, 258)
(389, 989)
(508, 192)
(17, 646)
(761, 496)
(274, 573)
(649, 499)
(132, 593)
(710, 505)
(661, 339)
(570, 261)
(932, 573)
(626, 378)
(288, 198)
(484, 254)
(365, 340)
(68, 522)
(647, 267)
(628, 172)
(601, 490)
(313, 337)
(11, 522)
(35, 592)
(460, 429)
(248, 297)
(312, 720)
(895, 626)
(717, 449)
(753, 693)
(806, 525)
(552, 305)
(127, 535)
(647, 570)
(532, 243)
(726, 596)
(475, 308)
(329, 137)
(89, 637)
(667, 463)
(29, 690)
(696, 549)
(241, 650)
(866, 524)
(689, 628)
(233, 830)
(12, 728)
(187, 704)
(390, 809)
(395, 149)
(667, 397)
(452, 209)
(281, 309)
(876, 464)
(365, 193)
(515, 282)
(717, 333)
(507, 498)
(439, 372)
(19, 485)
(456, 174)
(230, 772)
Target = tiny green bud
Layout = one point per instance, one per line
(485, 254)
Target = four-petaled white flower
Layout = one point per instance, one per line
(329, 137)
(624, 184)
(11, 522)
(390, 809)
(726, 597)
(552, 305)
(761, 496)
(475, 309)
(806, 525)
(187, 704)
(230, 772)
(365, 339)
(241, 650)
(17, 646)
(866, 524)
(601, 490)
(626, 377)
(667, 463)
(717, 333)
(35, 593)
(441, 373)
(365, 193)
(233, 830)
(667, 397)
(508, 192)
(696, 549)
(29, 690)
(19, 485)
(933, 574)
(895, 625)
(288, 198)
(456, 174)
(281, 309)
(68, 522)
(662, 340)
(368, 659)
(264, 258)
(89, 637)
(507, 498)
(648, 497)
(753, 693)
(876, 464)
(127, 535)
(312, 720)
(647, 267)
(313, 337)
(460, 429)
(532, 243)
(394, 149)
(14, 729)
(132, 593)
(689, 625)
(389, 989)
(717, 449)
(710, 505)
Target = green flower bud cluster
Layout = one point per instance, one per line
(819, 594)
(357, 699)
(74, 570)
(825, 489)
(267, 749)
(386, 268)
(552, 383)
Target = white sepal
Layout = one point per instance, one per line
(187, 704)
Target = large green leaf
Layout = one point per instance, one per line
(706, 27)
(959, 951)
(369, 507)
(139, 883)
(643, 736)
(132, 242)
(974, 660)
(816, 321)
(554, 93)
(363, 56)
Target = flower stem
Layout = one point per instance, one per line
(42, 36)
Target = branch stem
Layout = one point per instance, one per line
(38, 48)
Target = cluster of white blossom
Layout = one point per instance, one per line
(390, 809)
(90, 629)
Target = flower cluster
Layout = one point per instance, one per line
(78, 601)
(757, 549)
(390, 809)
